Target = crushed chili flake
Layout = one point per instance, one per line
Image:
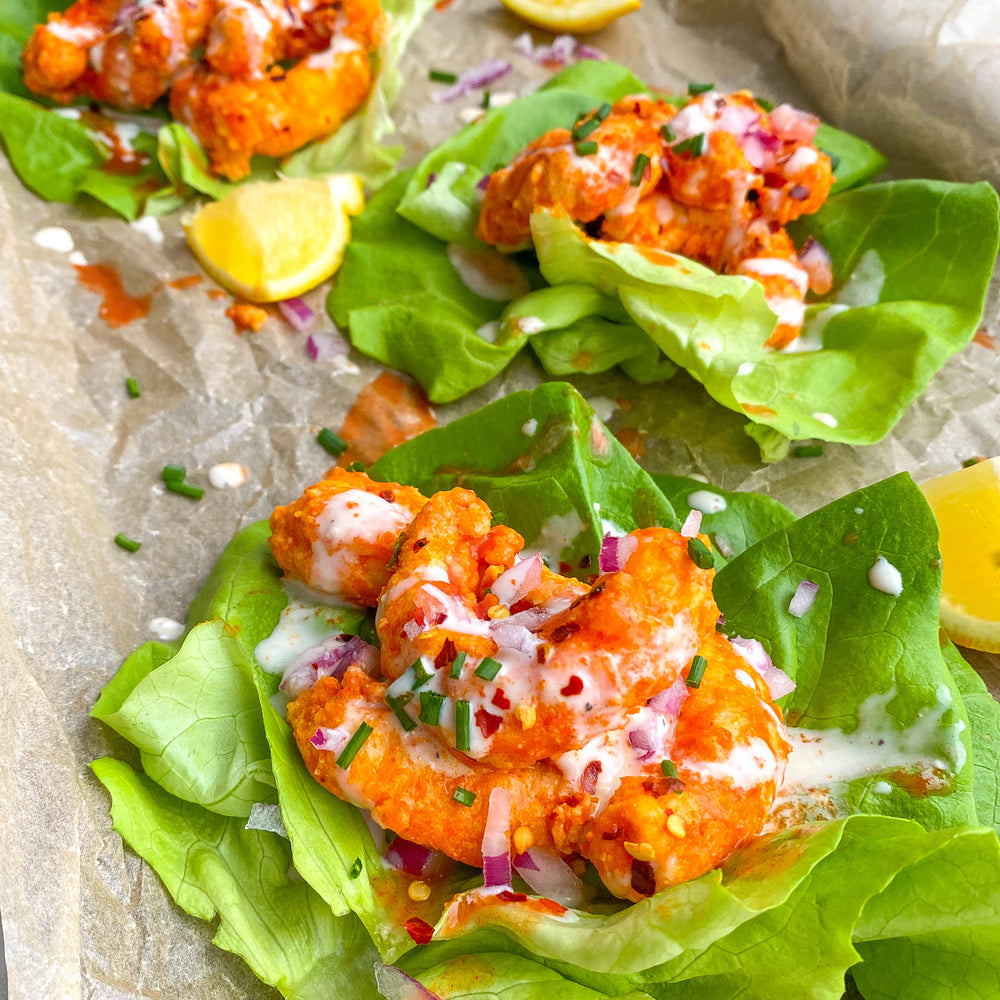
(632, 440)
(419, 930)
(511, 897)
(247, 317)
(500, 699)
(588, 781)
(487, 722)
(573, 686)
(643, 880)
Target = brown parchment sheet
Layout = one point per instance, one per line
(80, 461)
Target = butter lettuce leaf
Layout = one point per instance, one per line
(904, 892)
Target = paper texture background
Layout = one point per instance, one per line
(79, 461)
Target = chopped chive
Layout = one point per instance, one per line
(969, 462)
(695, 145)
(442, 76)
(700, 553)
(334, 444)
(602, 112)
(696, 672)
(355, 869)
(488, 668)
(668, 133)
(582, 129)
(499, 517)
(430, 707)
(834, 160)
(420, 674)
(126, 543)
(463, 719)
(185, 489)
(639, 169)
(395, 549)
(463, 796)
(807, 451)
(356, 467)
(455, 670)
(585, 148)
(486, 99)
(668, 769)
(173, 473)
(766, 105)
(694, 89)
(398, 703)
(354, 744)
(132, 388)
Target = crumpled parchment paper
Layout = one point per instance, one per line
(80, 461)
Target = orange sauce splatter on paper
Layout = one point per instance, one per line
(247, 318)
(387, 412)
(185, 282)
(118, 308)
(985, 338)
(633, 441)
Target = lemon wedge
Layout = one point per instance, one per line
(573, 16)
(967, 506)
(271, 240)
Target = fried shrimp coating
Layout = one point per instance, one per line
(338, 537)
(241, 98)
(715, 181)
(408, 780)
(729, 751)
(577, 671)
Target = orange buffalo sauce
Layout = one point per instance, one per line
(118, 308)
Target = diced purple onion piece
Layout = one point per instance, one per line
(297, 314)
(815, 260)
(800, 192)
(394, 984)
(777, 681)
(649, 738)
(615, 552)
(584, 51)
(473, 79)
(692, 524)
(802, 599)
(548, 875)
(496, 869)
(517, 581)
(508, 635)
(330, 658)
(484, 182)
(326, 738)
(669, 701)
(496, 839)
(325, 346)
(405, 856)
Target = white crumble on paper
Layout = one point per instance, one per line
(166, 629)
(227, 475)
(77, 259)
(54, 238)
(885, 577)
(150, 227)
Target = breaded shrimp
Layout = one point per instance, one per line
(409, 779)
(339, 536)
(714, 181)
(729, 752)
(574, 673)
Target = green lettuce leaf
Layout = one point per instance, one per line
(214, 868)
(874, 892)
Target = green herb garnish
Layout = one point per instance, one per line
(455, 670)
(700, 553)
(694, 89)
(333, 443)
(488, 668)
(696, 671)
(463, 796)
(463, 720)
(807, 450)
(132, 388)
(695, 145)
(639, 169)
(354, 744)
(585, 148)
(442, 76)
(129, 544)
(430, 707)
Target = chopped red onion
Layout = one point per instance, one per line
(669, 701)
(549, 876)
(792, 125)
(692, 524)
(777, 681)
(649, 736)
(405, 856)
(815, 261)
(585, 51)
(512, 585)
(496, 839)
(564, 49)
(330, 658)
(394, 984)
(800, 192)
(473, 79)
(615, 552)
(484, 182)
(532, 618)
(326, 738)
(326, 345)
(802, 599)
(508, 635)
(297, 314)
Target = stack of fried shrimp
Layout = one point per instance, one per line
(574, 695)
(715, 181)
(247, 76)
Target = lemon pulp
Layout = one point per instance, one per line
(967, 506)
(271, 240)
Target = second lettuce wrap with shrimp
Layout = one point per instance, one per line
(898, 887)
(911, 263)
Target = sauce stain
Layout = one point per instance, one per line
(387, 412)
(986, 337)
(185, 282)
(755, 409)
(633, 441)
(118, 308)
(123, 159)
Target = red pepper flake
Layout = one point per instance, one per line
(551, 905)
(501, 700)
(419, 930)
(565, 569)
(511, 897)
(573, 686)
(247, 317)
(588, 780)
(487, 722)
(643, 879)
(633, 440)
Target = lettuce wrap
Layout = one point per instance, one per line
(60, 158)
(896, 886)
(911, 261)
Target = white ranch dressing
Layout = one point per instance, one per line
(706, 501)
(302, 624)
(864, 286)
